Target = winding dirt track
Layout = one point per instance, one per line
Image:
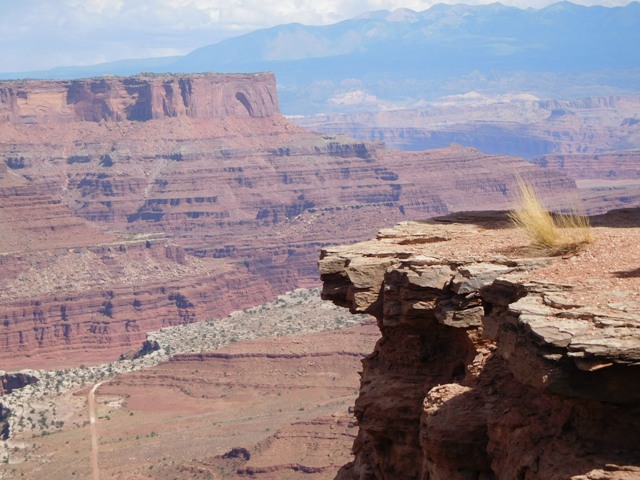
(91, 402)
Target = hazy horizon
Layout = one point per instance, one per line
(40, 35)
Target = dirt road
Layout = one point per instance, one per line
(91, 402)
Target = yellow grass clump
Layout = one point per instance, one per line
(558, 233)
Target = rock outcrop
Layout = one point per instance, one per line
(489, 367)
(10, 381)
(5, 429)
(140, 98)
(124, 211)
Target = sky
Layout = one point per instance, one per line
(42, 34)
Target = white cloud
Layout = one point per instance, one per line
(97, 6)
(357, 97)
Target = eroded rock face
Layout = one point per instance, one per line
(481, 373)
(5, 429)
(524, 126)
(606, 180)
(138, 98)
(129, 204)
(93, 303)
(10, 381)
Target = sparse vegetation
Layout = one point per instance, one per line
(299, 312)
(556, 233)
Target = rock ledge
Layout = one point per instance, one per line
(485, 369)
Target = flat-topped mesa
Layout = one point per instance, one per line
(139, 98)
(493, 364)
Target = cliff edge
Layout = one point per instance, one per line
(495, 363)
(140, 98)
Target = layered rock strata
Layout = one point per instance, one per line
(521, 125)
(594, 140)
(605, 181)
(139, 98)
(128, 204)
(486, 369)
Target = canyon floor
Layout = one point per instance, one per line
(268, 392)
(282, 399)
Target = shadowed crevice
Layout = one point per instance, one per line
(242, 98)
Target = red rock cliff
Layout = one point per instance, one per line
(493, 366)
(139, 98)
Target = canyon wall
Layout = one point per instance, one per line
(594, 140)
(493, 364)
(605, 180)
(64, 308)
(140, 98)
(520, 125)
(603, 166)
(125, 211)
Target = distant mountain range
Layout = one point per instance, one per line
(386, 59)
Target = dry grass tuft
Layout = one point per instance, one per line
(556, 233)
